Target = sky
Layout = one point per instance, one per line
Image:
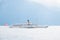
(43, 12)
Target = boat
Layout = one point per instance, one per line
(28, 25)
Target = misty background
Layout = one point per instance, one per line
(37, 11)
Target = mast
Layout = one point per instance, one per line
(28, 22)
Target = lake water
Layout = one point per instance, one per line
(50, 33)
